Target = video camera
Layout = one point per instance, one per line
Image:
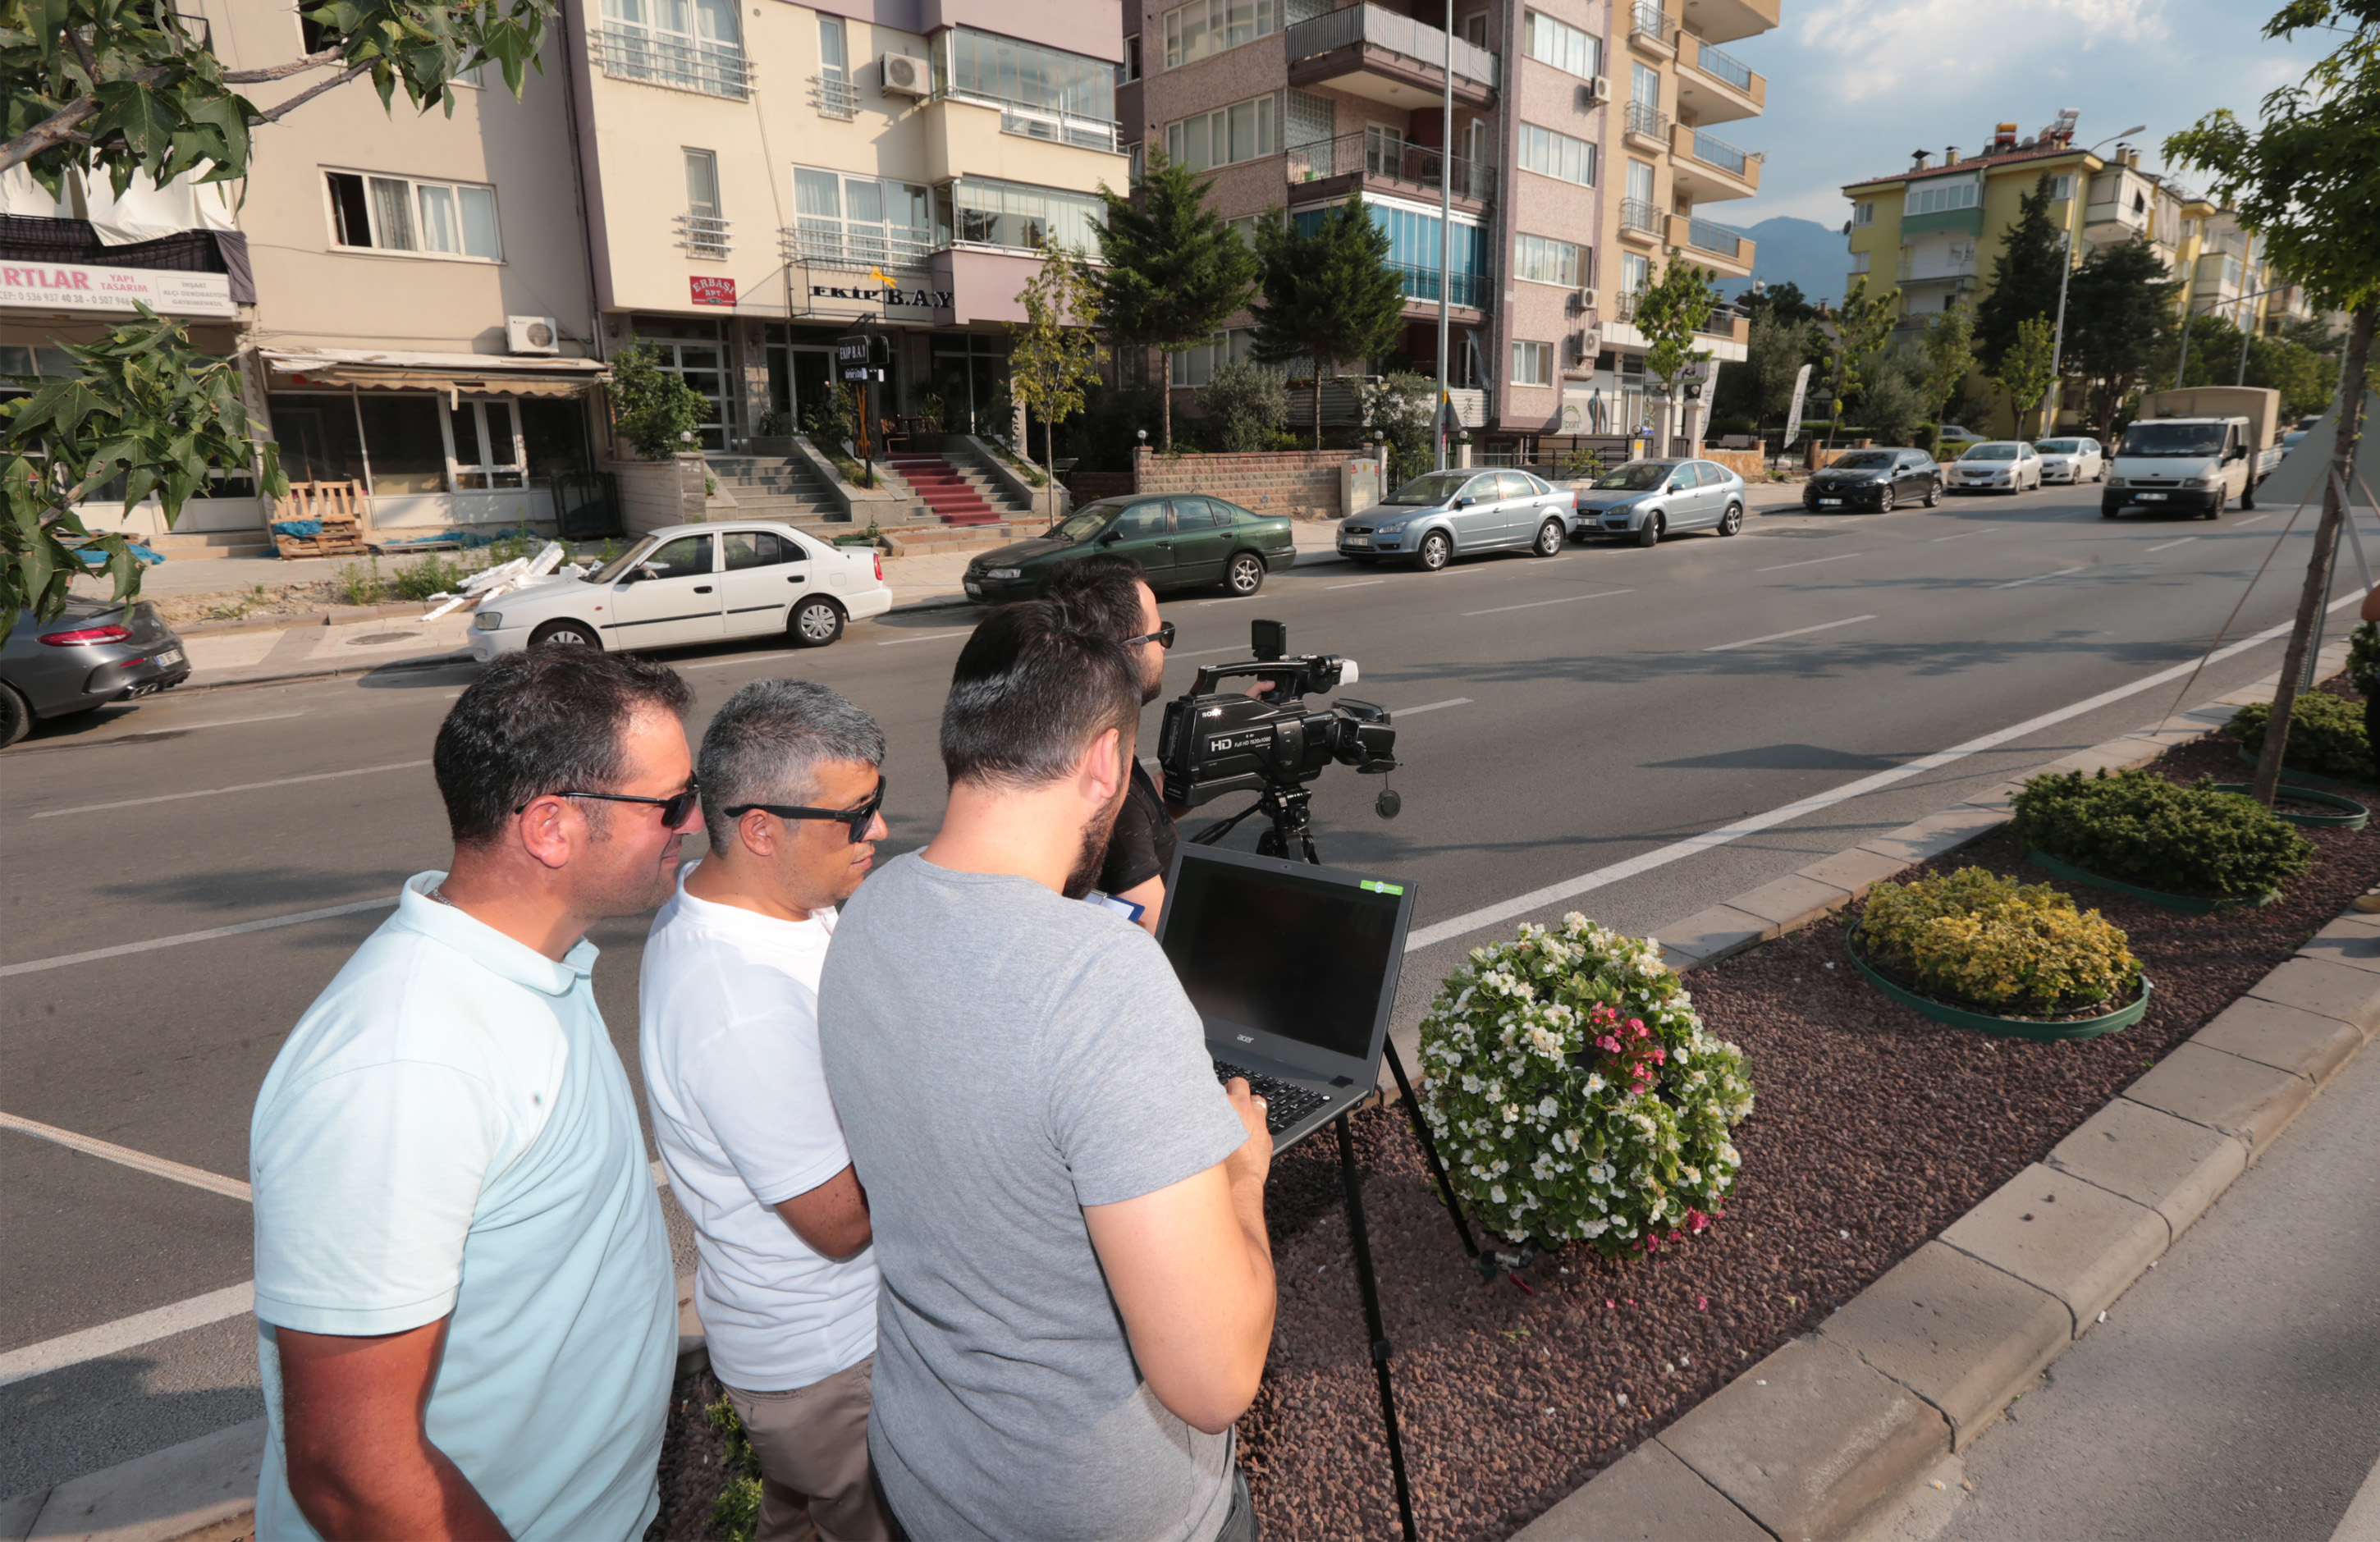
(1214, 742)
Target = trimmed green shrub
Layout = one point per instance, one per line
(2326, 736)
(2363, 660)
(2138, 828)
(1245, 406)
(1976, 938)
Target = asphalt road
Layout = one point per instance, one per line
(1583, 711)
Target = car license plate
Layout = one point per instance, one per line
(1828, 503)
(973, 588)
(170, 657)
(1358, 541)
(2151, 497)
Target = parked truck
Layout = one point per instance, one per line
(2195, 449)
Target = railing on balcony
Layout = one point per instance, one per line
(1420, 282)
(1378, 157)
(1712, 151)
(1424, 44)
(1636, 214)
(1624, 307)
(828, 244)
(1647, 19)
(1646, 118)
(1719, 324)
(663, 59)
(833, 96)
(703, 235)
(1702, 235)
(1721, 66)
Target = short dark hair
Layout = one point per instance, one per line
(1029, 693)
(544, 720)
(767, 744)
(1098, 594)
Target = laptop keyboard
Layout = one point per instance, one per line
(1285, 1103)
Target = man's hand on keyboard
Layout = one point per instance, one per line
(1253, 1159)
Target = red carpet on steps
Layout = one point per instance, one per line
(952, 497)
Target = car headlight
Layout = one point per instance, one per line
(2200, 481)
(1003, 573)
(488, 621)
(1393, 528)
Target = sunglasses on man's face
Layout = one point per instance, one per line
(857, 818)
(677, 808)
(1162, 637)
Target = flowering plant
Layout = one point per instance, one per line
(1574, 1094)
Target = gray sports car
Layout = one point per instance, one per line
(93, 653)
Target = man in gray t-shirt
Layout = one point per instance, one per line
(1068, 1210)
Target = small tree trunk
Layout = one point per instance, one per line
(2317, 581)
(1166, 441)
(1318, 401)
(1050, 462)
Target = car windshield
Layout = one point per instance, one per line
(1864, 460)
(2061, 446)
(1991, 452)
(610, 571)
(1637, 476)
(1435, 488)
(2173, 438)
(1085, 523)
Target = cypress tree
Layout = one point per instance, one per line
(2119, 315)
(2024, 278)
(1328, 293)
(1174, 272)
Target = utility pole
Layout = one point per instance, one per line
(2065, 270)
(1445, 233)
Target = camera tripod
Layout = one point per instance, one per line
(1289, 808)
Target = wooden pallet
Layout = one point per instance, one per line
(338, 506)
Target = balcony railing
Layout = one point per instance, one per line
(1712, 151)
(1636, 214)
(1624, 307)
(1646, 118)
(1420, 283)
(1723, 67)
(703, 235)
(680, 62)
(1036, 122)
(826, 245)
(833, 96)
(1702, 235)
(1379, 158)
(1647, 19)
(1353, 24)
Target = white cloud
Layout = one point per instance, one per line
(1959, 38)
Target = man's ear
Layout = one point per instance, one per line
(1106, 766)
(756, 834)
(549, 829)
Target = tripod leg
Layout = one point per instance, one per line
(1430, 1149)
(1352, 1179)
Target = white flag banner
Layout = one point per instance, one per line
(1793, 419)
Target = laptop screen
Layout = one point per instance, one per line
(1303, 955)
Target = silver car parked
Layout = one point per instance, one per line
(1648, 498)
(1441, 514)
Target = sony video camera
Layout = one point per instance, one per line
(1228, 742)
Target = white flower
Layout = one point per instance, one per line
(1495, 1192)
(1547, 1107)
(1594, 1081)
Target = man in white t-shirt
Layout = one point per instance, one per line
(785, 1280)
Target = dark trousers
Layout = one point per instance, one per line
(1240, 1525)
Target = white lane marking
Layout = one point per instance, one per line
(1964, 535)
(185, 727)
(124, 1156)
(1796, 632)
(1400, 714)
(2243, 524)
(1359, 583)
(1230, 600)
(1809, 562)
(235, 787)
(1202, 652)
(2037, 578)
(35, 965)
(115, 1338)
(2162, 545)
(754, 658)
(1565, 599)
(1554, 894)
(926, 637)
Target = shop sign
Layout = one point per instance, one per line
(891, 299)
(74, 287)
(711, 291)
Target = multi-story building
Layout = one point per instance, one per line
(1559, 197)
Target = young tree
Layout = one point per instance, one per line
(1860, 328)
(2023, 370)
(1055, 359)
(1329, 294)
(2119, 315)
(1893, 400)
(1762, 386)
(1785, 302)
(1174, 272)
(2302, 182)
(1669, 313)
(652, 407)
(1950, 354)
(1245, 406)
(2024, 278)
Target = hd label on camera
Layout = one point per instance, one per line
(1377, 887)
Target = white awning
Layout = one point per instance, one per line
(452, 374)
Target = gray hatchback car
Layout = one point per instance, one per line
(92, 654)
(1440, 514)
(1648, 498)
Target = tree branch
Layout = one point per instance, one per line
(82, 51)
(281, 72)
(308, 94)
(60, 127)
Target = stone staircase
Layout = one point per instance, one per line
(958, 492)
(205, 546)
(772, 487)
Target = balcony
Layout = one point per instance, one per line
(1648, 127)
(1332, 168)
(667, 59)
(1713, 246)
(1725, 327)
(1726, 20)
(1371, 52)
(1464, 291)
(1652, 29)
(1716, 86)
(1641, 221)
(1708, 168)
(703, 235)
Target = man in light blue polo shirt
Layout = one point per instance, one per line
(466, 1319)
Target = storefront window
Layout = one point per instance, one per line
(319, 438)
(554, 430)
(406, 441)
(486, 445)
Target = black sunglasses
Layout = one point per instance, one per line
(858, 819)
(677, 808)
(1162, 637)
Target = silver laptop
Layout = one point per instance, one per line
(1293, 969)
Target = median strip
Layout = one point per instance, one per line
(1796, 632)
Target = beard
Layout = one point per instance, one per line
(1093, 855)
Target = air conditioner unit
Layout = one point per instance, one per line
(532, 334)
(1596, 91)
(1586, 300)
(907, 75)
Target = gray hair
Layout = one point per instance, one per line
(767, 744)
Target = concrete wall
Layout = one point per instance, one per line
(658, 493)
(1303, 484)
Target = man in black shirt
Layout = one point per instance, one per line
(1106, 596)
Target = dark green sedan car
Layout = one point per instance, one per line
(1182, 541)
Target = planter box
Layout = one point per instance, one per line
(2007, 1027)
(2352, 815)
(2182, 904)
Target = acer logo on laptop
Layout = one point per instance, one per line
(1245, 1039)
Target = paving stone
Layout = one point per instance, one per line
(1792, 902)
(1853, 872)
(1826, 1445)
(18, 1512)
(1938, 833)
(2175, 1166)
(2353, 923)
(2078, 1242)
(1714, 933)
(1647, 1496)
(1996, 798)
(2333, 989)
(2311, 1045)
(2222, 1091)
(1963, 1335)
(206, 1485)
(2346, 943)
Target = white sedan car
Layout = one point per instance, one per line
(2072, 460)
(695, 584)
(1995, 466)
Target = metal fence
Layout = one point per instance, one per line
(1646, 118)
(1381, 158)
(1420, 282)
(661, 59)
(1398, 34)
(1722, 66)
(1702, 235)
(1636, 214)
(1712, 151)
(833, 96)
(703, 235)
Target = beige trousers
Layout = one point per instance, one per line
(815, 1476)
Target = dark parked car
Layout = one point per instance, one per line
(1877, 480)
(1182, 541)
(92, 654)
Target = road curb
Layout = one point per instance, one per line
(1831, 1433)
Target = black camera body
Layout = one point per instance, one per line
(1214, 743)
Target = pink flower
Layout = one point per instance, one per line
(1702, 1303)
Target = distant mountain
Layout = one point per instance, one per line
(1796, 251)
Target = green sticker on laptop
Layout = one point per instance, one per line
(1378, 887)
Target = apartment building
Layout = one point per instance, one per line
(1558, 196)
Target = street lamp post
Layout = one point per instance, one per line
(2065, 270)
(1445, 231)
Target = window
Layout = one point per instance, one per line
(1013, 214)
(397, 213)
(1645, 86)
(1636, 272)
(1197, 366)
(1205, 27)
(2061, 188)
(1130, 69)
(485, 445)
(1046, 95)
(1859, 261)
(1475, 29)
(690, 44)
(1937, 197)
(702, 232)
(836, 97)
(1242, 131)
(692, 351)
(687, 557)
(1413, 252)
(1384, 151)
(1198, 514)
(1862, 214)
(1551, 154)
(1640, 182)
(1533, 364)
(406, 441)
(1561, 44)
(860, 221)
(747, 549)
(1142, 520)
(1244, 227)
(1542, 260)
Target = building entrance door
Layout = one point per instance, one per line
(799, 377)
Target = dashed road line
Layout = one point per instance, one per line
(35, 965)
(2020, 583)
(924, 636)
(1566, 600)
(1809, 562)
(2163, 545)
(1400, 713)
(235, 787)
(1796, 632)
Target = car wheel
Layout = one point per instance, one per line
(815, 622)
(1550, 537)
(15, 718)
(1244, 575)
(1434, 551)
(565, 634)
(1649, 532)
(1934, 493)
(1732, 522)
(1884, 500)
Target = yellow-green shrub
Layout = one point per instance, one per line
(1976, 937)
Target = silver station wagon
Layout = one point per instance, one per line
(1441, 514)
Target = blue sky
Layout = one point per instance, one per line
(1855, 86)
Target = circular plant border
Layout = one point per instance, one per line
(2304, 778)
(2185, 905)
(2006, 1027)
(2352, 815)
